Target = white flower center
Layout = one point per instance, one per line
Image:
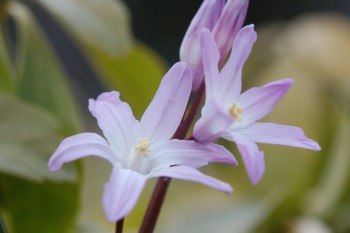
(137, 159)
(235, 111)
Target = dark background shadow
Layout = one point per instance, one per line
(162, 25)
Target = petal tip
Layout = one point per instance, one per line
(53, 164)
(180, 64)
(256, 174)
(249, 29)
(288, 82)
(250, 26)
(256, 178)
(91, 104)
(315, 146)
(229, 190)
(255, 181)
(53, 167)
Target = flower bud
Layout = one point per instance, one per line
(223, 20)
(228, 25)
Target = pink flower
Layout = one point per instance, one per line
(140, 150)
(223, 20)
(229, 114)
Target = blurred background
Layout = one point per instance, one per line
(54, 55)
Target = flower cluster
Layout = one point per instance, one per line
(140, 150)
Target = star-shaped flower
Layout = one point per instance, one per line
(229, 114)
(139, 150)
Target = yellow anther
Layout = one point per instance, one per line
(142, 146)
(235, 111)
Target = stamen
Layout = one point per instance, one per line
(235, 111)
(142, 146)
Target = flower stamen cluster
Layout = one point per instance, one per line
(142, 147)
(235, 111)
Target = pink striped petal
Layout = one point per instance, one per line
(121, 193)
(253, 158)
(259, 101)
(116, 120)
(210, 57)
(190, 153)
(231, 74)
(79, 146)
(165, 112)
(278, 134)
(192, 174)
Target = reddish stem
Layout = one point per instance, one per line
(154, 206)
(186, 122)
(119, 226)
(159, 192)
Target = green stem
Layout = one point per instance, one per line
(159, 192)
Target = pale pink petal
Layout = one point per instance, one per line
(165, 112)
(121, 193)
(192, 174)
(215, 119)
(190, 53)
(259, 101)
(231, 74)
(210, 57)
(253, 158)
(79, 146)
(278, 134)
(116, 120)
(190, 153)
(229, 23)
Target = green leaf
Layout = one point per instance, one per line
(7, 81)
(28, 136)
(41, 78)
(21, 122)
(38, 207)
(135, 75)
(31, 197)
(27, 164)
(103, 24)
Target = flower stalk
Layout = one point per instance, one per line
(119, 226)
(182, 131)
(155, 205)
